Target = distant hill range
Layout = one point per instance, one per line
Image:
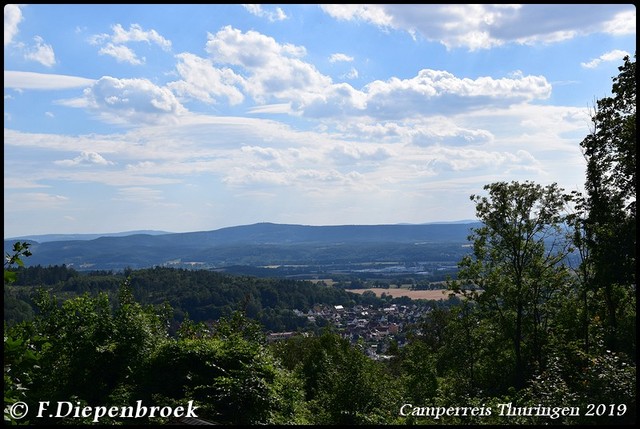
(71, 237)
(253, 245)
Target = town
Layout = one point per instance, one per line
(376, 330)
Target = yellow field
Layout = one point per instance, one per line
(437, 294)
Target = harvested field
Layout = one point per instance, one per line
(436, 294)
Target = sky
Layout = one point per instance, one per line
(194, 117)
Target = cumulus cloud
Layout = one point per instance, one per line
(366, 12)
(121, 53)
(272, 70)
(131, 101)
(114, 44)
(134, 34)
(205, 82)
(257, 10)
(41, 53)
(436, 91)
(85, 158)
(431, 92)
(483, 26)
(137, 34)
(12, 17)
(277, 76)
(615, 55)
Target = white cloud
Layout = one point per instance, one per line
(611, 56)
(431, 92)
(436, 91)
(41, 53)
(114, 44)
(256, 9)
(131, 101)
(276, 72)
(134, 34)
(137, 34)
(372, 13)
(250, 49)
(121, 53)
(31, 80)
(423, 132)
(483, 26)
(204, 82)
(12, 17)
(85, 158)
(273, 70)
(622, 23)
(340, 57)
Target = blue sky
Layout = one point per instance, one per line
(197, 117)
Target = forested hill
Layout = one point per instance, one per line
(261, 243)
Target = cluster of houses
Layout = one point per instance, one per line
(374, 328)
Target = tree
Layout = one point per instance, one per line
(610, 207)
(516, 266)
(20, 250)
(342, 384)
(19, 356)
(228, 371)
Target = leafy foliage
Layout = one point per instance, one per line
(609, 220)
(20, 250)
(517, 266)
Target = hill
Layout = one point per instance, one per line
(258, 244)
(43, 238)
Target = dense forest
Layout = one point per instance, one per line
(199, 295)
(536, 340)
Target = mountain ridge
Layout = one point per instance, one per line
(43, 238)
(256, 244)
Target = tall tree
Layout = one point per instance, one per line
(610, 204)
(516, 265)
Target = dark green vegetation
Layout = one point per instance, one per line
(200, 295)
(539, 340)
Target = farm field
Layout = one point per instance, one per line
(436, 294)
